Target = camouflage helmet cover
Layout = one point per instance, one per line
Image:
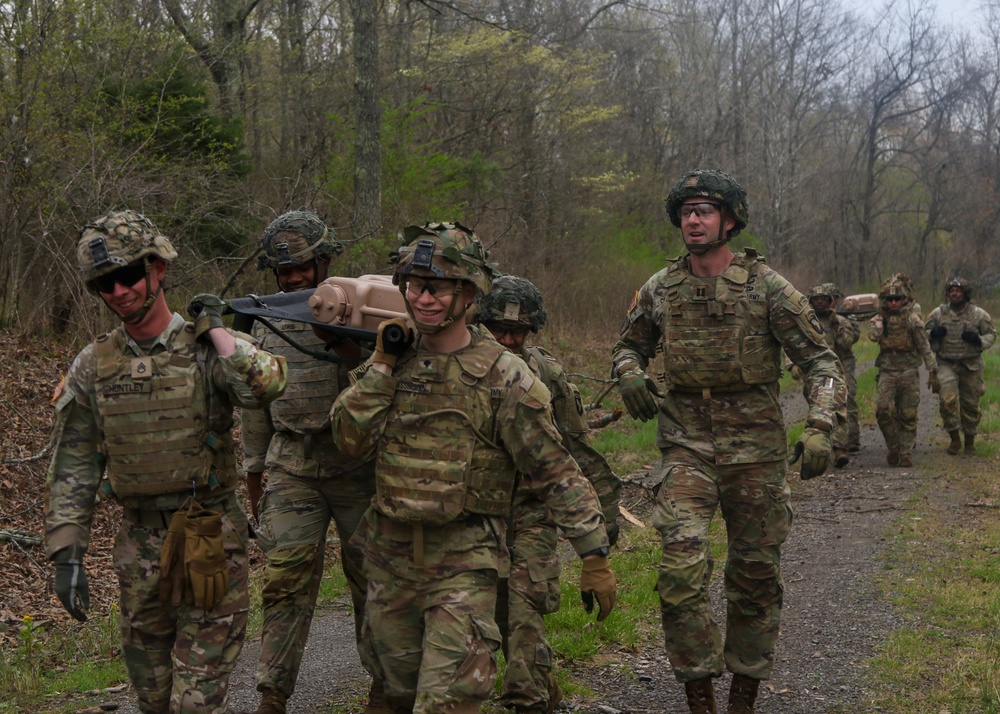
(294, 238)
(897, 284)
(959, 282)
(822, 290)
(833, 291)
(716, 186)
(512, 302)
(117, 239)
(444, 250)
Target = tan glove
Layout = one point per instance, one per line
(394, 336)
(172, 560)
(205, 558)
(813, 447)
(597, 579)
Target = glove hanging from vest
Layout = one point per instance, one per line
(205, 557)
(972, 338)
(172, 576)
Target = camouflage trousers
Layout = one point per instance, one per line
(295, 517)
(433, 642)
(853, 422)
(179, 659)
(531, 592)
(897, 399)
(755, 503)
(961, 390)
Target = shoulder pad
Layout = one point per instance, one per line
(480, 358)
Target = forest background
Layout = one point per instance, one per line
(868, 143)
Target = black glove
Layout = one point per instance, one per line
(972, 338)
(71, 581)
(613, 530)
(634, 388)
(206, 311)
(394, 336)
(938, 332)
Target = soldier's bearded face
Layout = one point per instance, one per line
(956, 296)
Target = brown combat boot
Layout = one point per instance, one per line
(376, 700)
(742, 694)
(271, 702)
(700, 696)
(905, 460)
(970, 444)
(956, 443)
(892, 458)
(840, 458)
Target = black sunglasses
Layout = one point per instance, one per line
(126, 277)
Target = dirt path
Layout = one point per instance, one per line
(834, 617)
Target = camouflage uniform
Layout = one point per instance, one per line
(309, 482)
(178, 658)
(960, 361)
(722, 438)
(533, 589)
(449, 431)
(902, 344)
(840, 334)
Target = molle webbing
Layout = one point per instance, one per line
(898, 337)
(313, 384)
(156, 438)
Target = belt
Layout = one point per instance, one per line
(160, 518)
(709, 392)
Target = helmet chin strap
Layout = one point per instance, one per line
(137, 315)
(450, 317)
(702, 248)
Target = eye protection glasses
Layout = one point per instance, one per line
(126, 277)
(701, 210)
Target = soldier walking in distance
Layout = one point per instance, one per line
(309, 481)
(959, 332)
(899, 333)
(840, 334)
(511, 310)
(451, 417)
(151, 405)
(721, 320)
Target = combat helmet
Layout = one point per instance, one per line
(959, 282)
(822, 290)
(118, 239)
(443, 251)
(296, 238)
(717, 187)
(512, 302)
(896, 285)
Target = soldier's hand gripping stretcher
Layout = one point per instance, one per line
(339, 308)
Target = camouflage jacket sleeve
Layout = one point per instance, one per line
(794, 324)
(922, 342)
(546, 467)
(358, 415)
(252, 377)
(569, 419)
(876, 329)
(256, 432)
(847, 333)
(640, 334)
(987, 332)
(74, 474)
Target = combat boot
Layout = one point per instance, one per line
(956, 442)
(555, 693)
(905, 460)
(893, 456)
(742, 694)
(970, 444)
(840, 459)
(271, 702)
(376, 700)
(700, 696)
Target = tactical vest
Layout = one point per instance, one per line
(897, 336)
(313, 384)
(713, 334)
(953, 347)
(154, 411)
(567, 409)
(434, 470)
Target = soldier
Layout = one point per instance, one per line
(309, 481)
(722, 319)
(959, 332)
(451, 417)
(151, 404)
(899, 333)
(511, 310)
(850, 363)
(840, 334)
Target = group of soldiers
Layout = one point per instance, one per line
(450, 457)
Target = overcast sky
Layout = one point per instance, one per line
(961, 13)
